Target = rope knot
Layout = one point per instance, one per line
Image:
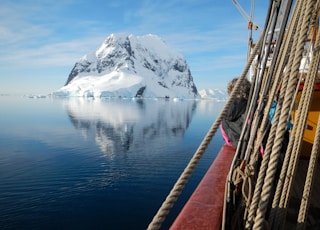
(242, 177)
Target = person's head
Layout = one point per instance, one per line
(244, 89)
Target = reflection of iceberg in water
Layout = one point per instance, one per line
(128, 125)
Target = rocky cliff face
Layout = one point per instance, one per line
(130, 66)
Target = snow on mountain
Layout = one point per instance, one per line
(215, 94)
(131, 66)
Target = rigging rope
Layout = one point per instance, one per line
(283, 72)
(294, 147)
(314, 154)
(296, 138)
(227, 197)
(291, 32)
(184, 177)
(309, 180)
(285, 112)
(284, 118)
(262, 84)
(265, 161)
(303, 109)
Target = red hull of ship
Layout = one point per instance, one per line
(205, 207)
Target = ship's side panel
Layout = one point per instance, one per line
(205, 207)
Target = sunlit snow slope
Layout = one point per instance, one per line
(131, 66)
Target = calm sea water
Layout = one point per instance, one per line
(97, 164)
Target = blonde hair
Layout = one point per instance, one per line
(244, 89)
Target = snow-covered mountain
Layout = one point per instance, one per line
(215, 94)
(131, 66)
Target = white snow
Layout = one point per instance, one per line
(126, 63)
(215, 94)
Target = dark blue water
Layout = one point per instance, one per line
(97, 164)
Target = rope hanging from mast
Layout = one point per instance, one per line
(184, 177)
(262, 187)
(283, 74)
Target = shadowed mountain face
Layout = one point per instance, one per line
(119, 126)
(130, 66)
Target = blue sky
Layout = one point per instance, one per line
(40, 40)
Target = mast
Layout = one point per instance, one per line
(251, 25)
